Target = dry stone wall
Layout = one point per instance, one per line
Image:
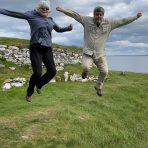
(21, 57)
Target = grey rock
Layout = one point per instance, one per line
(3, 46)
(2, 66)
(7, 86)
(16, 82)
(13, 48)
(66, 76)
(12, 68)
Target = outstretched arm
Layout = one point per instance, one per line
(62, 29)
(124, 21)
(71, 13)
(14, 14)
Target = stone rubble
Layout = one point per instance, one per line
(12, 68)
(21, 57)
(14, 82)
(2, 66)
(66, 76)
(77, 77)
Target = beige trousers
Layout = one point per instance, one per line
(101, 63)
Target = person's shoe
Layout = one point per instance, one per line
(84, 75)
(38, 90)
(99, 91)
(28, 98)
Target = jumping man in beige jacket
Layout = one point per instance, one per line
(96, 32)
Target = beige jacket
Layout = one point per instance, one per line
(96, 37)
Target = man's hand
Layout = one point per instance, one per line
(139, 14)
(70, 27)
(58, 8)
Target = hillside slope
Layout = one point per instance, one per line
(70, 114)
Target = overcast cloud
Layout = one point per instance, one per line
(130, 39)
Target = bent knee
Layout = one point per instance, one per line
(52, 72)
(104, 73)
(37, 75)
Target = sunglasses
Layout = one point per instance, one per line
(44, 8)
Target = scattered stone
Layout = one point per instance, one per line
(75, 77)
(12, 68)
(59, 68)
(61, 64)
(7, 86)
(84, 80)
(2, 51)
(93, 78)
(53, 81)
(16, 82)
(13, 48)
(21, 56)
(3, 46)
(25, 137)
(66, 76)
(2, 66)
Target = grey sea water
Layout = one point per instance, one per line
(131, 63)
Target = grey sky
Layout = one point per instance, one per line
(129, 39)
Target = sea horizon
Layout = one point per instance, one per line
(130, 63)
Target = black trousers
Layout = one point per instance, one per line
(39, 54)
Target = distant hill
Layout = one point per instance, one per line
(70, 114)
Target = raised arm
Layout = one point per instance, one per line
(124, 21)
(72, 14)
(14, 14)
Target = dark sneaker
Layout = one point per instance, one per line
(99, 91)
(38, 90)
(84, 75)
(28, 98)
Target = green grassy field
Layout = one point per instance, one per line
(71, 115)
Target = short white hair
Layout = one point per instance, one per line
(43, 3)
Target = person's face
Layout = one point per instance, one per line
(98, 17)
(44, 11)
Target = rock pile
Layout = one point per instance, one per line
(77, 77)
(16, 82)
(21, 56)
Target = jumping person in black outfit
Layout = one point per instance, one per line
(40, 44)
